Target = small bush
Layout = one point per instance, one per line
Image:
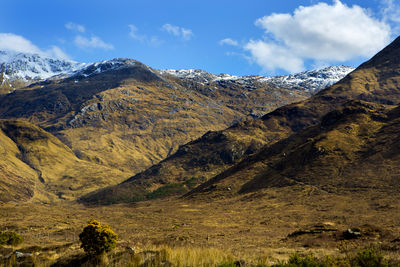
(297, 260)
(10, 238)
(303, 261)
(369, 257)
(97, 238)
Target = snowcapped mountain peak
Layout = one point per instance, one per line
(312, 80)
(24, 68)
(109, 65)
(190, 74)
(105, 65)
(31, 67)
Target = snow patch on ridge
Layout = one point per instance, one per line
(105, 65)
(312, 81)
(33, 67)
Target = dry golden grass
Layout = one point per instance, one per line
(37, 164)
(251, 227)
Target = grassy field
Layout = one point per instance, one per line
(262, 228)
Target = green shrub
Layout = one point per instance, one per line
(10, 238)
(97, 238)
(303, 261)
(369, 257)
(297, 260)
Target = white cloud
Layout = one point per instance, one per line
(17, 43)
(177, 31)
(271, 56)
(84, 42)
(171, 29)
(56, 52)
(92, 42)
(228, 41)
(75, 27)
(186, 34)
(391, 14)
(320, 32)
(134, 34)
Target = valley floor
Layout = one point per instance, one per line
(246, 227)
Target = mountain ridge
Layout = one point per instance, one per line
(27, 68)
(312, 80)
(375, 84)
(21, 69)
(125, 116)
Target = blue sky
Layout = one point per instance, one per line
(236, 37)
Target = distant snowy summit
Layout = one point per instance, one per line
(20, 69)
(33, 67)
(312, 80)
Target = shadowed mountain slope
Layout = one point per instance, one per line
(353, 148)
(376, 81)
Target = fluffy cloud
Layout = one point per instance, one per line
(321, 32)
(17, 43)
(228, 41)
(92, 42)
(271, 56)
(177, 31)
(75, 27)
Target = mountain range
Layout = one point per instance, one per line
(76, 127)
(342, 139)
(20, 69)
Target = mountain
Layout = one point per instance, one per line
(121, 116)
(312, 80)
(344, 137)
(20, 69)
(288, 87)
(322, 141)
(36, 164)
(352, 149)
